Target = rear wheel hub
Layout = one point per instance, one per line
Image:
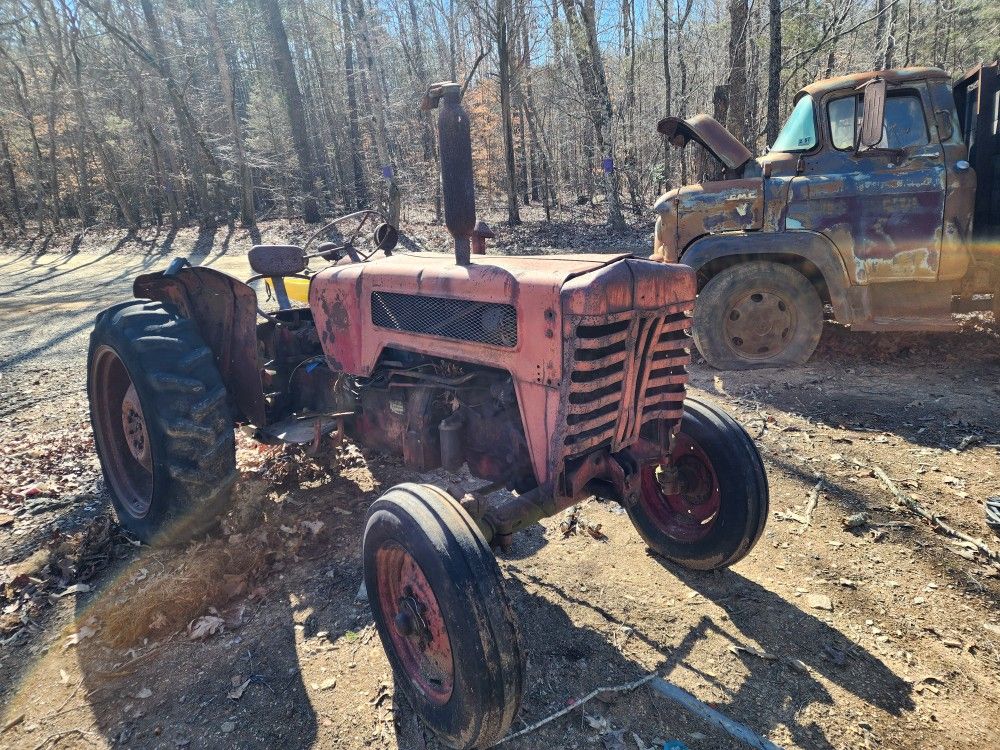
(120, 430)
(134, 427)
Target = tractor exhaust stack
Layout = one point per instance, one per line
(457, 184)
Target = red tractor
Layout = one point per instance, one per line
(555, 378)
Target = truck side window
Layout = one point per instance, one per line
(904, 122)
(843, 124)
(799, 132)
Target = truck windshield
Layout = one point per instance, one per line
(799, 133)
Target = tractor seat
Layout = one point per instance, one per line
(277, 260)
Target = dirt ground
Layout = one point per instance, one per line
(840, 630)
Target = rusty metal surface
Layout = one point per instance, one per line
(625, 354)
(978, 99)
(457, 184)
(852, 81)
(888, 215)
(225, 311)
(709, 133)
(543, 289)
(882, 209)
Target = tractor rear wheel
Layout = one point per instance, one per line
(161, 421)
(757, 314)
(438, 601)
(718, 516)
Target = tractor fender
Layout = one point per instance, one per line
(225, 311)
(712, 253)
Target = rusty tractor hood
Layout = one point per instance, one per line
(709, 133)
(515, 313)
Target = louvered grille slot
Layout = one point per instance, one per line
(624, 374)
(664, 392)
(466, 320)
(598, 361)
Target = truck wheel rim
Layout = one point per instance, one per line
(688, 515)
(121, 433)
(415, 622)
(760, 325)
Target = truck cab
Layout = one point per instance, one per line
(867, 203)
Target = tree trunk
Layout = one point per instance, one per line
(293, 103)
(666, 90)
(506, 117)
(360, 189)
(227, 89)
(773, 120)
(739, 13)
(583, 35)
(194, 148)
(7, 166)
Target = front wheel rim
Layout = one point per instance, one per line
(760, 324)
(415, 623)
(689, 515)
(121, 432)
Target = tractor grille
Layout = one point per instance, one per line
(625, 373)
(466, 320)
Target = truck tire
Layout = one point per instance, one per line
(438, 601)
(757, 314)
(161, 420)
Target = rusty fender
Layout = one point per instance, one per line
(810, 246)
(225, 311)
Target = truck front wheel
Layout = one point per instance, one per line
(757, 314)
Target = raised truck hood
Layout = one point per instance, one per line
(709, 133)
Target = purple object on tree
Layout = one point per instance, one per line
(608, 164)
(387, 172)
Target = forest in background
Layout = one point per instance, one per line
(177, 112)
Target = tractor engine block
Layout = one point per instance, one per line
(441, 413)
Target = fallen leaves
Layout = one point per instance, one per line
(84, 632)
(237, 692)
(205, 626)
(574, 523)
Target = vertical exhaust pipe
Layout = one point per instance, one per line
(455, 147)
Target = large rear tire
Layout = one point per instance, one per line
(439, 605)
(757, 314)
(719, 516)
(161, 421)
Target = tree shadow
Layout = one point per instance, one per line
(844, 384)
(183, 695)
(782, 629)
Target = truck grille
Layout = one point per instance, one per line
(623, 374)
(466, 320)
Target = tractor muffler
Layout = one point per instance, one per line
(455, 145)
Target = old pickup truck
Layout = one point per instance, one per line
(865, 209)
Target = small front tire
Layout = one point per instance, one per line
(720, 515)
(439, 606)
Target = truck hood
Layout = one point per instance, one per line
(709, 133)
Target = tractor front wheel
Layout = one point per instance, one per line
(161, 422)
(719, 512)
(438, 601)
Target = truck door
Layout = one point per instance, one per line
(883, 207)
